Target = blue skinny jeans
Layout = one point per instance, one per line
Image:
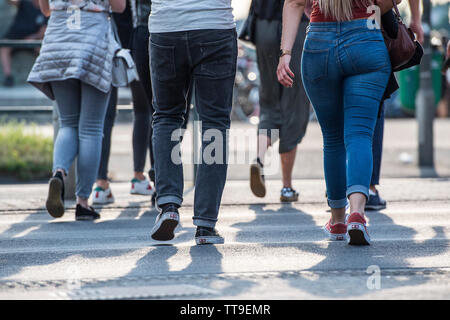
(345, 70)
(81, 110)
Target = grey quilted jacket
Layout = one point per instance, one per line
(82, 49)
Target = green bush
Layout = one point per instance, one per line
(24, 154)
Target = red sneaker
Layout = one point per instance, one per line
(336, 232)
(357, 230)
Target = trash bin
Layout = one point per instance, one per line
(409, 81)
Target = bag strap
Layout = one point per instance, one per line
(397, 12)
(115, 31)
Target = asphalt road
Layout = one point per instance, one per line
(271, 251)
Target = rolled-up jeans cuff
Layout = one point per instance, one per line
(162, 200)
(358, 189)
(337, 204)
(58, 167)
(200, 222)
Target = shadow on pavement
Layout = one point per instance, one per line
(345, 270)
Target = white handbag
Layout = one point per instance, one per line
(123, 67)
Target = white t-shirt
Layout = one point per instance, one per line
(185, 15)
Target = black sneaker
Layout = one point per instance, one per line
(375, 202)
(85, 214)
(165, 223)
(288, 195)
(55, 198)
(8, 82)
(257, 181)
(206, 235)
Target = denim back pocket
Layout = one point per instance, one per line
(162, 61)
(315, 64)
(367, 56)
(218, 58)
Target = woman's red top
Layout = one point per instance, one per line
(359, 12)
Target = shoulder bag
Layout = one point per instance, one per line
(123, 67)
(402, 48)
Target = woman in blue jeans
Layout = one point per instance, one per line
(345, 70)
(75, 69)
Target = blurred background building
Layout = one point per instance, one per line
(23, 102)
(246, 96)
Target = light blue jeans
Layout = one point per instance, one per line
(345, 70)
(81, 111)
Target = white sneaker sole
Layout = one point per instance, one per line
(335, 236)
(375, 207)
(96, 201)
(209, 240)
(164, 228)
(143, 193)
(357, 234)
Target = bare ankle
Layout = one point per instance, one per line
(139, 176)
(104, 184)
(337, 215)
(83, 202)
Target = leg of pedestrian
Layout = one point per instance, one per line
(102, 192)
(67, 94)
(375, 201)
(171, 77)
(288, 194)
(94, 104)
(285, 110)
(142, 105)
(214, 54)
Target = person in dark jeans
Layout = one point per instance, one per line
(375, 201)
(193, 44)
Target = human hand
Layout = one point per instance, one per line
(284, 72)
(416, 27)
(448, 49)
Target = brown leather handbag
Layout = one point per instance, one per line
(402, 48)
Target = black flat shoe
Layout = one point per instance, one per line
(85, 214)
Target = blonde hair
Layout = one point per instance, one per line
(341, 10)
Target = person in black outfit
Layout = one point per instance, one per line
(133, 33)
(282, 110)
(29, 23)
(132, 26)
(388, 21)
